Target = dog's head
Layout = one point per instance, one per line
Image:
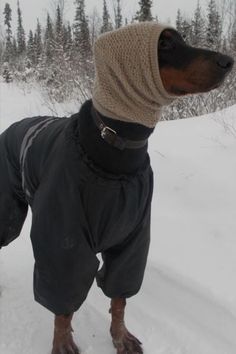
(188, 70)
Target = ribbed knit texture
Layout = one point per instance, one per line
(128, 86)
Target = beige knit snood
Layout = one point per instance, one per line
(128, 85)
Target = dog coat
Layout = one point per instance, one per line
(78, 211)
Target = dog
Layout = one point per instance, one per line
(88, 178)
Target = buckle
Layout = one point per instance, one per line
(105, 130)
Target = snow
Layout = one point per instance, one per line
(188, 300)
(194, 218)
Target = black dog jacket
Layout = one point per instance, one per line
(78, 210)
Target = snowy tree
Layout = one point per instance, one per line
(118, 16)
(49, 34)
(95, 25)
(198, 28)
(48, 40)
(38, 43)
(31, 49)
(82, 44)
(106, 23)
(14, 47)
(214, 27)
(21, 45)
(59, 27)
(184, 27)
(144, 13)
(67, 38)
(179, 22)
(7, 74)
(7, 21)
(187, 31)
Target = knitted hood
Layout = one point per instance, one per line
(128, 86)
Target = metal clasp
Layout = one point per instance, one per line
(105, 130)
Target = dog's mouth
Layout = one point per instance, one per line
(178, 91)
(194, 89)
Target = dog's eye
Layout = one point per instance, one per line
(165, 44)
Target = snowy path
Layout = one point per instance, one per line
(170, 316)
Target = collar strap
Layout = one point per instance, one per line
(111, 137)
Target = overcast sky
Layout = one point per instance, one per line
(31, 9)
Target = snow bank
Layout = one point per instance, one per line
(194, 206)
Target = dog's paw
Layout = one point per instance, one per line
(126, 343)
(64, 344)
(69, 349)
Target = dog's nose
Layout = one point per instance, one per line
(224, 62)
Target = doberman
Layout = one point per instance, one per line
(184, 70)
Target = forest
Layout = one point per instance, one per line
(57, 56)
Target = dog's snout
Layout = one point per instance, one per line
(224, 62)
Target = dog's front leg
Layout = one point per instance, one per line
(123, 340)
(63, 342)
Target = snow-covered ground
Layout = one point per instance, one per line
(187, 304)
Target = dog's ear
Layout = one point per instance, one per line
(165, 41)
(169, 38)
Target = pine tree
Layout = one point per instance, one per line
(49, 29)
(82, 44)
(48, 40)
(14, 47)
(183, 27)
(21, 46)
(187, 31)
(38, 43)
(59, 26)
(144, 14)
(95, 26)
(179, 22)
(7, 21)
(67, 38)
(198, 28)
(8, 54)
(59, 53)
(106, 23)
(118, 15)
(214, 27)
(31, 48)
